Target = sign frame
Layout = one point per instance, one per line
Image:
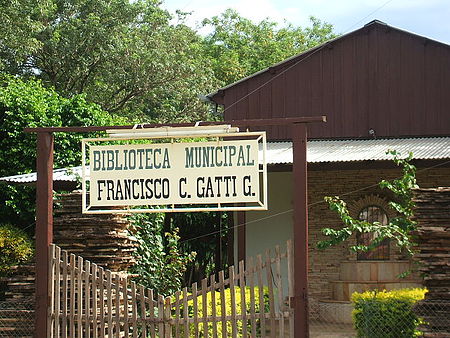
(259, 136)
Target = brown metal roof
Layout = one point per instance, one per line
(377, 78)
(292, 59)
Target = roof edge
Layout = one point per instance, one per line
(211, 96)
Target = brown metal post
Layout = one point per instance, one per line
(44, 228)
(301, 311)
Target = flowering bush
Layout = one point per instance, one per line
(218, 309)
(15, 248)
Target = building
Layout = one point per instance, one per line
(381, 88)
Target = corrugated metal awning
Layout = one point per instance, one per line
(59, 175)
(429, 148)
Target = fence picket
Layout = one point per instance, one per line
(194, 301)
(151, 313)
(250, 271)
(56, 288)
(72, 297)
(109, 303)
(126, 326)
(177, 314)
(80, 297)
(143, 310)
(185, 313)
(269, 276)
(101, 276)
(223, 301)
(134, 309)
(262, 308)
(161, 316)
(167, 317)
(51, 287)
(94, 299)
(117, 313)
(65, 263)
(205, 306)
(279, 286)
(213, 305)
(243, 302)
(87, 290)
(233, 302)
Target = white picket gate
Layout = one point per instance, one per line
(251, 301)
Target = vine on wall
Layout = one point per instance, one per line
(398, 229)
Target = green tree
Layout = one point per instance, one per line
(27, 103)
(19, 25)
(238, 47)
(124, 55)
(398, 229)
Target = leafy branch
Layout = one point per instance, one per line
(160, 263)
(398, 228)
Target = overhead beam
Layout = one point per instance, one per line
(236, 123)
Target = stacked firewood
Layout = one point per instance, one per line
(432, 213)
(101, 238)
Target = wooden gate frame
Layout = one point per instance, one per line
(44, 209)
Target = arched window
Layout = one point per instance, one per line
(373, 213)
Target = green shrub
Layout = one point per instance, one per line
(386, 314)
(15, 248)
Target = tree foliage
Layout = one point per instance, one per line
(238, 47)
(160, 263)
(398, 229)
(130, 58)
(27, 103)
(124, 55)
(19, 26)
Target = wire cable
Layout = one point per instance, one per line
(290, 210)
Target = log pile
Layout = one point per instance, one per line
(432, 213)
(102, 239)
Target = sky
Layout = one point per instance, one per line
(429, 18)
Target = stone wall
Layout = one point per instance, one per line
(350, 185)
(433, 237)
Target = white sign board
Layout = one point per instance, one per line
(219, 173)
